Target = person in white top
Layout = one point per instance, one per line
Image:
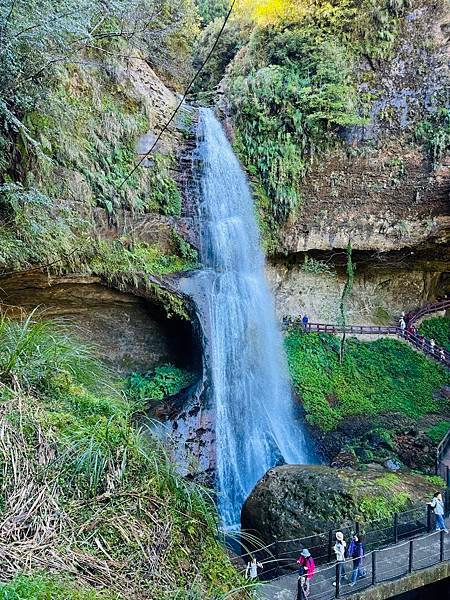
(339, 549)
(437, 505)
(432, 345)
(251, 572)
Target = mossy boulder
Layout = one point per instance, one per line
(295, 501)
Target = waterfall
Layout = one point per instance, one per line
(256, 422)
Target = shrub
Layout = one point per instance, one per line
(165, 380)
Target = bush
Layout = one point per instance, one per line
(289, 93)
(439, 431)
(385, 376)
(163, 381)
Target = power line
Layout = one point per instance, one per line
(122, 183)
(183, 98)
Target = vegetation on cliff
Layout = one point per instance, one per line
(312, 78)
(437, 328)
(381, 377)
(86, 494)
(72, 106)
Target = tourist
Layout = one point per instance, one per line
(438, 507)
(432, 345)
(306, 563)
(305, 321)
(442, 354)
(302, 584)
(356, 552)
(251, 572)
(339, 549)
(402, 324)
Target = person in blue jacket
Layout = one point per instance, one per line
(356, 552)
(305, 320)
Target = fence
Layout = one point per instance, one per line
(281, 556)
(378, 566)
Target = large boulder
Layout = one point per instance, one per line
(295, 501)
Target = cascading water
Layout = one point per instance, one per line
(256, 422)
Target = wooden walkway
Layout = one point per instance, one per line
(437, 353)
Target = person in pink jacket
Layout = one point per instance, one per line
(306, 569)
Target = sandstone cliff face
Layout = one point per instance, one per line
(380, 191)
(381, 289)
(128, 332)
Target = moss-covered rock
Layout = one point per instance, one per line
(295, 501)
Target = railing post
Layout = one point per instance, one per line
(411, 556)
(338, 580)
(395, 528)
(356, 527)
(428, 518)
(330, 544)
(441, 545)
(374, 567)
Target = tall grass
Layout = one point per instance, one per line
(33, 352)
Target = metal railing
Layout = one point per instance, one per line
(281, 555)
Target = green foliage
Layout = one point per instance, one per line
(157, 384)
(385, 376)
(234, 36)
(388, 481)
(34, 352)
(312, 265)
(71, 441)
(434, 134)
(49, 587)
(373, 508)
(289, 97)
(437, 328)
(164, 194)
(439, 431)
(212, 9)
(115, 258)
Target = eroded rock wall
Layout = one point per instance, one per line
(128, 332)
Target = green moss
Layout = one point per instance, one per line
(437, 328)
(439, 431)
(385, 376)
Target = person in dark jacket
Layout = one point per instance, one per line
(356, 551)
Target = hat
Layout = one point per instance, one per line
(339, 536)
(305, 552)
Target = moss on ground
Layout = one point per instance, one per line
(380, 377)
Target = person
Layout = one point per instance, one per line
(339, 549)
(356, 552)
(432, 345)
(442, 354)
(438, 508)
(306, 563)
(305, 320)
(302, 584)
(402, 324)
(251, 572)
